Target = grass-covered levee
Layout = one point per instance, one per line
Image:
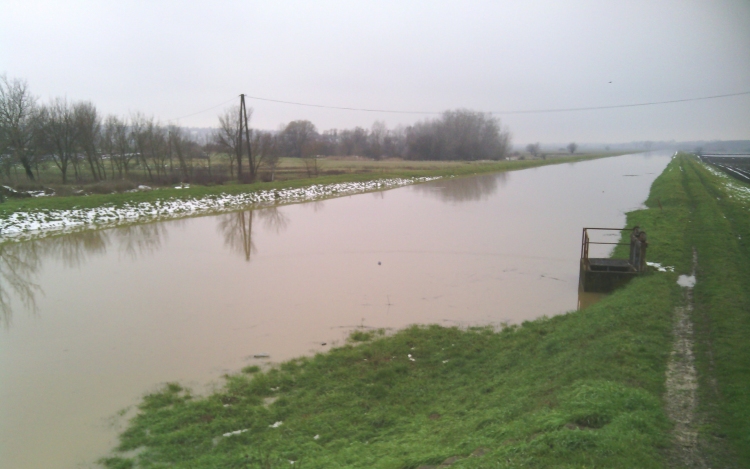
(582, 389)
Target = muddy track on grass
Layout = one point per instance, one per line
(682, 386)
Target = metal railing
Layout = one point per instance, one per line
(585, 241)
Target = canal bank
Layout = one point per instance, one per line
(120, 311)
(583, 388)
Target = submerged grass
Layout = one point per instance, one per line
(583, 389)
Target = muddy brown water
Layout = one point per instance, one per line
(93, 321)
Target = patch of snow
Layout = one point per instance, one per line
(22, 226)
(661, 268)
(236, 432)
(687, 281)
(276, 425)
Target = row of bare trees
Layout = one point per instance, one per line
(455, 135)
(74, 136)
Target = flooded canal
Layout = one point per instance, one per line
(93, 321)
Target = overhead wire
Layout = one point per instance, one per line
(529, 111)
(204, 110)
(525, 111)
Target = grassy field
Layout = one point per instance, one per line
(333, 170)
(584, 389)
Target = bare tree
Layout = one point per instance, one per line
(533, 148)
(178, 145)
(265, 150)
(59, 133)
(18, 119)
(158, 148)
(116, 145)
(376, 140)
(297, 136)
(572, 147)
(88, 132)
(458, 135)
(139, 130)
(227, 137)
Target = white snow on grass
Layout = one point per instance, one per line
(21, 226)
(661, 268)
(733, 187)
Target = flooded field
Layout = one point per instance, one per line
(93, 321)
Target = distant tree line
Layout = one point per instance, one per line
(84, 146)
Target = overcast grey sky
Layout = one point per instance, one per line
(172, 59)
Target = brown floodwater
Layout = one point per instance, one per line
(93, 321)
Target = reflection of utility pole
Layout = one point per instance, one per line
(247, 233)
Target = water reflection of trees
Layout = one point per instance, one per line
(18, 266)
(20, 263)
(464, 189)
(237, 228)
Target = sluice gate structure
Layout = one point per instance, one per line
(604, 274)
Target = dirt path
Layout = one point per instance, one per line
(682, 384)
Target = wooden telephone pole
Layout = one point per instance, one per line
(246, 136)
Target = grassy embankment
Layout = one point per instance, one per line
(584, 389)
(339, 171)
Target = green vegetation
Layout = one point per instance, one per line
(690, 206)
(720, 230)
(584, 389)
(338, 171)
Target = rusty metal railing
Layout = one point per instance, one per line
(585, 241)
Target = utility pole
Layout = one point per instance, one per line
(239, 141)
(250, 162)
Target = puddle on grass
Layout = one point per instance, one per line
(93, 321)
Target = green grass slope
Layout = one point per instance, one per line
(582, 389)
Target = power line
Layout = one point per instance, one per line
(204, 110)
(530, 111)
(618, 106)
(339, 107)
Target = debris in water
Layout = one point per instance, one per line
(261, 355)
(378, 262)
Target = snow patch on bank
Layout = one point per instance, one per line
(22, 226)
(734, 188)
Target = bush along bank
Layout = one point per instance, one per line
(583, 389)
